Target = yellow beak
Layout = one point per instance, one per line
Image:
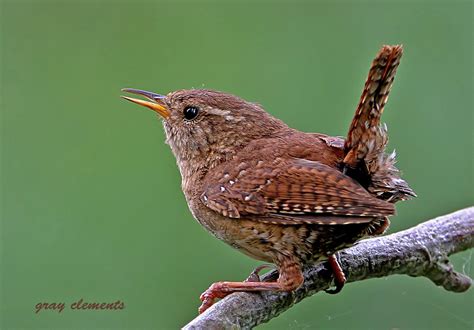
(154, 104)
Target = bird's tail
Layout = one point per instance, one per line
(364, 149)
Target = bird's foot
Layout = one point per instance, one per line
(220, 290)
(214, 292)
(289, 279)
(339, 277)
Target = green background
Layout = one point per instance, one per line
(91, 199)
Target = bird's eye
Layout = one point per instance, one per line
(190, 112)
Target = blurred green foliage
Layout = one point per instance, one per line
(91, 199)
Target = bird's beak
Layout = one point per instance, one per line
(156, 101)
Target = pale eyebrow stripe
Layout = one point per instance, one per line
(224, 113)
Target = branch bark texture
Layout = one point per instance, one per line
(422, 250)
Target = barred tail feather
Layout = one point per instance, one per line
(365, 158)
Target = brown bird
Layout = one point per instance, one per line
(277, 194)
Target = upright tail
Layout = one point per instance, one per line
(364, 149)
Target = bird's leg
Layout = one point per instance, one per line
(254, 277)
(290, 278)
(339, 277)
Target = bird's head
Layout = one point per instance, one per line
(205, 127)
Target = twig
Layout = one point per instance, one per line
(419, 251)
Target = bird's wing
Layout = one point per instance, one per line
(290, 191)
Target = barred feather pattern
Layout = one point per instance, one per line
(267, 190)
(367, 138)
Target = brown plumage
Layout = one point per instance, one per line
(277, 194)
(364, 148)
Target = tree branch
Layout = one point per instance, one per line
(419, 251)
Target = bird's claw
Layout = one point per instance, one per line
(207, 298)
(337, 289)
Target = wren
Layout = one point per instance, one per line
(277, 194)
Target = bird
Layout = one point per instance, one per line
(276, 194)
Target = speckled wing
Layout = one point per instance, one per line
(272, 190)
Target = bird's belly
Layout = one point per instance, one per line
(241, 235)
(261, 241)
(270, 242)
